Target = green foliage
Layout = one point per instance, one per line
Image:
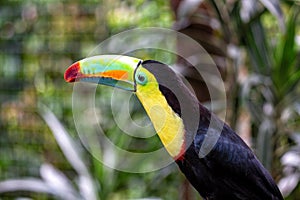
(271, 89)
(131, 14)
(286, 73)
(39, 39)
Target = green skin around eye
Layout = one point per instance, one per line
(141, 78)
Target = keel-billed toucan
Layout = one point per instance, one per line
(227, 170)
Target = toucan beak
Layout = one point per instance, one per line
(113, 70)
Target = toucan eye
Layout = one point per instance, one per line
(141, 78)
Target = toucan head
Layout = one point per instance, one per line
(154, 83)
(123, 72)
(127, 73)
(116, 71)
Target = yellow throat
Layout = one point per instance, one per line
(167, 124)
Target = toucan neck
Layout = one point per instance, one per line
(171, 106)
(168, 124)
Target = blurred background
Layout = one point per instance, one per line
(254, 43)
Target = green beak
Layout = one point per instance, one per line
(113, 70)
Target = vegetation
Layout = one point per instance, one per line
(43, 157)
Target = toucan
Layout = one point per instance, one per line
(215, 160)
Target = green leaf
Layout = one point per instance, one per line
(257, 45)
(285, 55)
(290, 84)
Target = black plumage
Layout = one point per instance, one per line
(230, 170)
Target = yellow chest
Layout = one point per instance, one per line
(166, 122)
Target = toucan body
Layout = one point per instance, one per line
(211, 155)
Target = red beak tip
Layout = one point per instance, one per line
(72, 72)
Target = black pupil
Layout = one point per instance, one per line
(141, 78)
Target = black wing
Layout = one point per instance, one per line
(229, 171)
